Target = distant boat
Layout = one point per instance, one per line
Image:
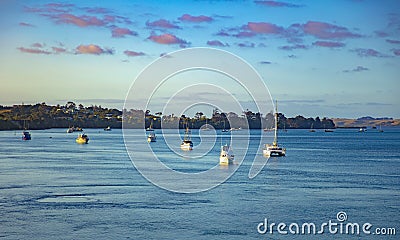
(25, 134)
(312, 129)
(328, 130)
(74, 129)
(206, 128)
(226, 156)
(151, 137)
(274, 149)
(82, 139)
(224, 129)
(362, 130)
(187, 143)
(380, 128)
(107, 128)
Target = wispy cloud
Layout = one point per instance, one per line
(393, 41)
(33, 50)
(217, 43)
(167, 38)
(93, 49)
(368, 52)
(278, 4)
(24, 24)
(196, 19)
(122, 32)
(133, 53)
(246, 45)
(37, 45)
(58, 50)
(162, 23)
(396, 52)
(357, 69)
(328, 44)
(293, 47)
(97, 10)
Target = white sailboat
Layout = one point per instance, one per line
(187, 143)
(274, 149)
(226, 156)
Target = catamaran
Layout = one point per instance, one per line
(273, 149)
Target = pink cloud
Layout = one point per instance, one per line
(197, 19)
(393, 41)
(122, 32)
(277, 4)
(368, 52)
(33, 50)
(263, 28)
(24, 24)
(133, 53)
(58, 50)
(92, 49)
(80, 21)
(328, 44)
(296, 46)
(217, 43)
(327, 31)
(162, 23)
(166, 38)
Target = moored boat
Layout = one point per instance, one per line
(226, 156)
(187, 143)
(82, 139)
(151, 137)
(274, 149)
(26, 135)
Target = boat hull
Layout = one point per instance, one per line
(187, 146)
(82, 140)
(224, 161)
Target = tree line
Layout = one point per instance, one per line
(43, 116)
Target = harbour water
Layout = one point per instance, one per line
(53, 188)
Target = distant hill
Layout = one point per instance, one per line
(365, 122)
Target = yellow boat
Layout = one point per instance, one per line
(82, 139)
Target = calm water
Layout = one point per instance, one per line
(53, 188)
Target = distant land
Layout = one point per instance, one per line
(43, 116)
(366, 122)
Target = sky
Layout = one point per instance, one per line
(318, 58)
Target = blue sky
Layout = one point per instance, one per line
(318, 58)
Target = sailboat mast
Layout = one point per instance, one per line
(276, 123)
